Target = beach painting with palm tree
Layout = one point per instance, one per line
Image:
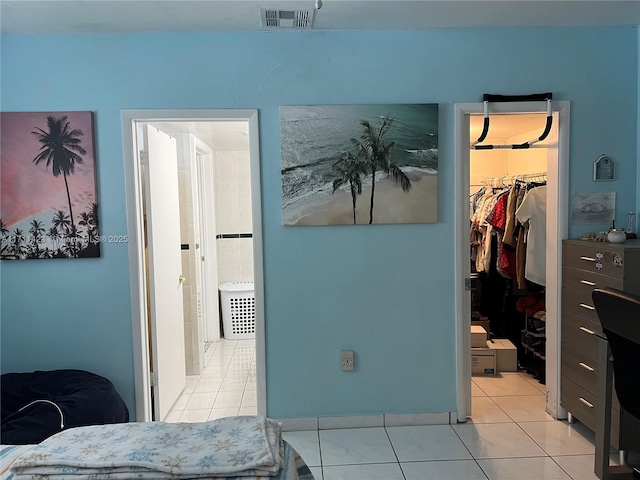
(359, 164)
(48, 200)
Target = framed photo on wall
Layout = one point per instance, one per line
(359, 164)
(49, 203)
(593, 208)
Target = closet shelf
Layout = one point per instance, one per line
(533, 334)
(535, 354)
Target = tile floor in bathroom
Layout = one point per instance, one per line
(226, 387)
(509, 437)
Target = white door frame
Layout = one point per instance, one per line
(130, 118)
(205, 169)
(557, 230)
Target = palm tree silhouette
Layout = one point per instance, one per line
(375, 150)
(54, 235)
(72, 241)
(60, 149)
(18, 239)
(36, 231)
(94, 214)
(85, 221)
(351, 168)
(61, 222)
(5, 232)
(71, 244)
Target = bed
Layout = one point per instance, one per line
(226, 448)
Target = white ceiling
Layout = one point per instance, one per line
(110, 16)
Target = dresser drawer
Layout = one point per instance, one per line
(580, 368)
(583, 405)
(596, 257)
(585, 281)
(580, 333)
(577, 401)
(579, 303)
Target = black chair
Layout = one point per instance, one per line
(618, 357)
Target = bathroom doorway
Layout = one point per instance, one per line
(196, 132)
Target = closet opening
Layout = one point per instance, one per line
(507, 272)
(508, 251)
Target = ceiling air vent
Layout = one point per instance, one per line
(286, 18)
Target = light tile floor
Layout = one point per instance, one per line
(509, 436)
(226, 387)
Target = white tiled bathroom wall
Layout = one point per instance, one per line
(233, 214)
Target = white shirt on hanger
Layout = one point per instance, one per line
(534, 210)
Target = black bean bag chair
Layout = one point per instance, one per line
(39, 404)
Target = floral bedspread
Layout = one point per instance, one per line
(245, 446)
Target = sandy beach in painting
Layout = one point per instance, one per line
(391, 205)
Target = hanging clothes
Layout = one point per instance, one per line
(505, 255)
(534, 210)
(481, 231)
(510, 226)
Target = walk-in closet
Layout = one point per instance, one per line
(508, 247)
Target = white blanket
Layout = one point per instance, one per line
(232, 446)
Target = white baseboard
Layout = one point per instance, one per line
(357, 421)
(364, 421)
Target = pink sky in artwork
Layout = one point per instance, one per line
(28, 189)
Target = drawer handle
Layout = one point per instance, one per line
(586, 330)
(588, 404)
(588, 307)
(588, 259)
(585, 366)
(587, 282)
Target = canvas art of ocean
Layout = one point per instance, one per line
(359, 164)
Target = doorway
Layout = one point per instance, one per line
(557, 201)
(191, 124)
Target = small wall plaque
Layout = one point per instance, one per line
(603, 169)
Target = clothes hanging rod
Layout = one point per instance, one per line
(537, 97)
(505, 180)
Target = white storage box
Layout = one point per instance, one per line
(478, 337)
(238, 310)
(483, 361)
(506, 354)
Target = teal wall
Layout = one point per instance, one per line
(385, 291)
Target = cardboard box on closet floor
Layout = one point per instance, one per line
(491, 356)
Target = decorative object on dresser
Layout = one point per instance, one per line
(631, 226)
(587, 265)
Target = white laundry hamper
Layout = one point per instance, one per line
(238, 310)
